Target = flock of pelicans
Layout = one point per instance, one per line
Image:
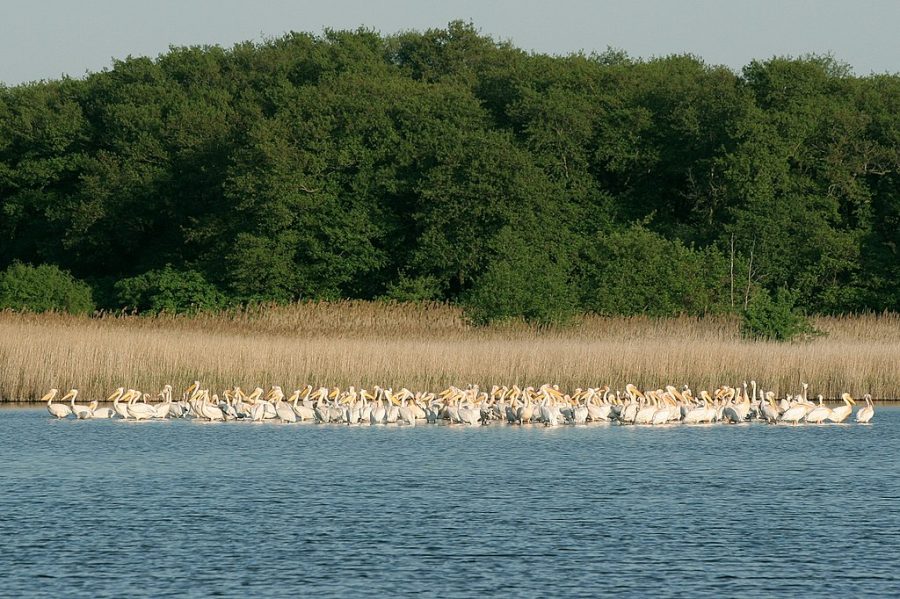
(545, 404)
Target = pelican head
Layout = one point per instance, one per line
(48, 397)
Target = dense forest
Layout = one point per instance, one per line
(445, 165)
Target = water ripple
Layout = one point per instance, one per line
(112, 509)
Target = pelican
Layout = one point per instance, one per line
(118, 396)
(303, 412)
(794, 413)
(209, 411)
(580, 413)
(599, 412)
(769, 408)
(101, 412)
(526, 412)
(376, 416)
(56, 409)
(140, 411)
(392, 407)
(864, 415)
(663, 414)
(819, 413)
(406, 414)
(469, 413)
(645, 413)
(700, 413)
(840, 413)
(549, 412)
(163, 408)
(284, 410)
(81, 412)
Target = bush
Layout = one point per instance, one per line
(42, 288)
(636, 271)
(524, 281)
(169, 290)
(775, 318)
(417, 289)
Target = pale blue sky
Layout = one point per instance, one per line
(42, 39)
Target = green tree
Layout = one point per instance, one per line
(775, 318)
(527, 278)
(636, 271)
(169, 290)
(43, 288)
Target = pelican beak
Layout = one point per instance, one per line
(69, 395)
(49, 395)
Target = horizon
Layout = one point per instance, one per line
(58, 40)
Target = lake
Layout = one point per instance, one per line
(181, 508)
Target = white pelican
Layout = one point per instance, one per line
(418, 406)
(354, 412)
(392, 407)
(730, 411)
(645, 413)
(376, 416)
(209, 411)
(840, 413)
(163, 408)
(118, 407)
(56, 409)
(819, 413)
(864, 415)
(284, 410)
(469, 413)
(140, 411)
(599, 413)
(406, 414)
(101, 413)
(81, 412)
(303, 412)
(662, 415)
(629, 411)
(794, 413)
(580, 413)
(549, 412)
(526, 411)
(769, 409)
(699, 413)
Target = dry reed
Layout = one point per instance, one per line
(429, 347)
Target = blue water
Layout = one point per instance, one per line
(180, 508)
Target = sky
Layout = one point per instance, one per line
(44, 39)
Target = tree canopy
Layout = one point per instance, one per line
(445, 165)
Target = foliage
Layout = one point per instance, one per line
(445, 165)
(43, 288)
(636, 271)
(775, 318)
(169, 290)
(526, 280)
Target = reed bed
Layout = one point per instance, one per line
(430, 346)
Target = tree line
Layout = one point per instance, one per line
(446, 165)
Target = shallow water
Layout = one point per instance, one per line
(180, 508)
